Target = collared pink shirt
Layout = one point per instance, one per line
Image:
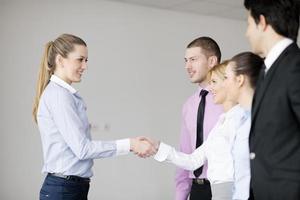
(183, 178)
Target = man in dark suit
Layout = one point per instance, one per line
(275, 131)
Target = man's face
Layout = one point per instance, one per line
(196, 64)
(254, 36)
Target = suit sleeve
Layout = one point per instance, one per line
(294, 88)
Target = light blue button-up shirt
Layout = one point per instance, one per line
(241, 158)
(65, 132)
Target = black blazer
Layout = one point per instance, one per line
(275, 129)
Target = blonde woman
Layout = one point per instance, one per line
(60, 114)
(221, 148)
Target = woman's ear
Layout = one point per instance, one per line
(240, 80)
(212, 61)
(59, 61)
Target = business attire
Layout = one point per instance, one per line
(241, 159)
(219, 151)
(186, 182)
(275, 128)
(68, 149)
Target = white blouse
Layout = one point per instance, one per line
(217, 149)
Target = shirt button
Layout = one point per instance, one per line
(252, 156)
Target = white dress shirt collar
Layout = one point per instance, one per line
(62, 83)
(275, 52)
(229, 114)
(232, 111)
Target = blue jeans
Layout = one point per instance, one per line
(56, 188)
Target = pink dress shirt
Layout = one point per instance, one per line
(183, 178)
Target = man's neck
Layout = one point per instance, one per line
(270, 42)
(203, 84)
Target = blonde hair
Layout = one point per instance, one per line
(62, 45)
(219, 69)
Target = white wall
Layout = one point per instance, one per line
(136, 83)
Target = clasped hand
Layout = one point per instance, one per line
(143, 146)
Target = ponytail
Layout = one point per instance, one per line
(62, 46)
(43, 79)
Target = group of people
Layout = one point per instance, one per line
(240, 132)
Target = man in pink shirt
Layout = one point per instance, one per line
(199, 115)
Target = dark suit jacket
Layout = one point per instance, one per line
(275, 129)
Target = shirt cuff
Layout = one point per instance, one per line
(163, 152)
(123, 147)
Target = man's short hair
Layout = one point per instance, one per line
(208, 45)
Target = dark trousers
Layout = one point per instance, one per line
(56, 188)
(200, 191)
(276, 189)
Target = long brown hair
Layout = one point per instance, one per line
(62, 45)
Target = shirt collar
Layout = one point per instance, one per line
(275, 52)
(62, 83)
(233, 111)
(201, 88)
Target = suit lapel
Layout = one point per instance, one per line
(263, 85)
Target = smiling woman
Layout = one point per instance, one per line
(216, 150)
(217, 76)
(60, 114)
(72, 67)
(55, 53)
(226, 148)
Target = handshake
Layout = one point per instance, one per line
(143, 146)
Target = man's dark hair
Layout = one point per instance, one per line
(282, 15)
(208, 45)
